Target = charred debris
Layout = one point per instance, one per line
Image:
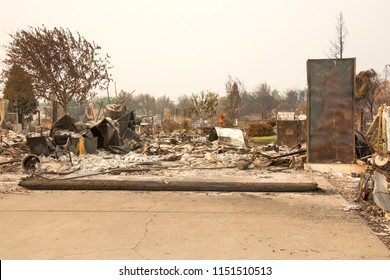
(374, 182)
(119, 143)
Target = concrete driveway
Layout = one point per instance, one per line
(182, 225)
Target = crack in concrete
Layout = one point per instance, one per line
(135, 248)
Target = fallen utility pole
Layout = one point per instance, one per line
(166, 185)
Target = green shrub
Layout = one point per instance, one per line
(260, 129)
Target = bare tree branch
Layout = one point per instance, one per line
(337, 45)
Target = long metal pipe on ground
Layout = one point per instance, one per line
(163, 185)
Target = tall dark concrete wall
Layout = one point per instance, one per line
(330, 105)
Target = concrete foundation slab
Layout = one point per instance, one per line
(334, 167)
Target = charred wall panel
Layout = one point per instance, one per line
(330, 106)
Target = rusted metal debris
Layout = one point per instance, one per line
(229, 136)
(38, 145)
(363, 148)
(291, 132)
(31, 163)
(300, 151)
(65, 123)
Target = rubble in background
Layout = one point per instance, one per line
(12, 150)
(122, 148)
(174, 153)
(112, 141)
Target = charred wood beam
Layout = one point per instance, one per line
(10, 161)
(301, 151)
(164, 185)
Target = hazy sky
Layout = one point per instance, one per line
(177, 47)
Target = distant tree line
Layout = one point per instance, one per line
(236, 103)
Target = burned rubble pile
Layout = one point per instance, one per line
(12, 150)
(111, 145)
(374, 182)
